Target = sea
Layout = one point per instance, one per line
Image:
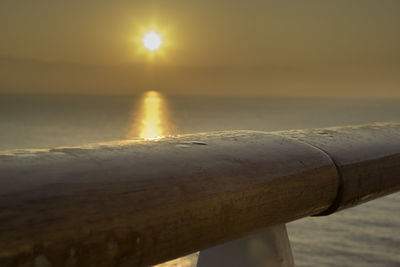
(366, 235)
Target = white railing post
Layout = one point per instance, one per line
(269, 247)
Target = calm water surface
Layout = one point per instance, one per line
(367, 235)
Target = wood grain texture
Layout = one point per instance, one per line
(368, 158)
(137, 203)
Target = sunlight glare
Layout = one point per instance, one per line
(151, 119)
(152, 41)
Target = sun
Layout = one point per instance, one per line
(152, 41)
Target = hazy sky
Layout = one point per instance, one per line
(321, 47)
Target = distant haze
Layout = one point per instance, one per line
(314, 47)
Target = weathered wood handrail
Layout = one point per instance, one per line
(135, 203)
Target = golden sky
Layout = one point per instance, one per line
(316, 47)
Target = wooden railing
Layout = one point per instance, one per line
(137, 203)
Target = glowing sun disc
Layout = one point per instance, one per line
(152, 41)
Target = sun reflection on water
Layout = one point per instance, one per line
(152, 122)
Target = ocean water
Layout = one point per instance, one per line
(367, 235)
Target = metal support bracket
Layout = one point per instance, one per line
(270, 247)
